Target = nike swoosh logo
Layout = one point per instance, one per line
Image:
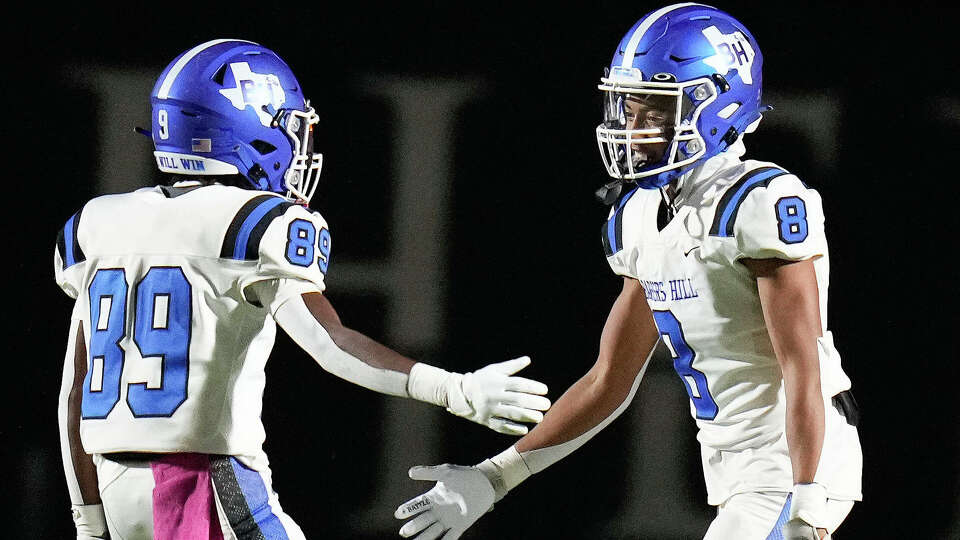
(687, 254)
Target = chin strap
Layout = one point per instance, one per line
(669, 202)
(670, 192)
(609, 192)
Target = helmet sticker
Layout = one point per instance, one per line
(256, 89)
(733, 52)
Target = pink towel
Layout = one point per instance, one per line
(183, 503)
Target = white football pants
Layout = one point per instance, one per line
(126, 489)
(759, 516)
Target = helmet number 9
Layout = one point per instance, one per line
(302, 236)
(162, 123)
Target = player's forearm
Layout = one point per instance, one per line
(490, 396)
(804, 422)
(352, 342)
(597, 398)
(629, 337)
(593, 402)
(79, 469)
(790, 301)
(585, 409)
(78, 466)
(350, 356)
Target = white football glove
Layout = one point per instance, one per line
(798, 529)
(488, 396)
(461, 495)
(807, 511)
(90, 521)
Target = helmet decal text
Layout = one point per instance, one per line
(733, 52)
(255, 89)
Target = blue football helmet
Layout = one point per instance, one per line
(228, 107)
(694, 74)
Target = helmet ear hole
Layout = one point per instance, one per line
(728, 111)
(721, 82)
(263, 147)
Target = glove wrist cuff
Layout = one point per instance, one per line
(505, 471)
(89, 520)
(429, 383)
(809, 503)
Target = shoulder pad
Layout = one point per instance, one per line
(733, 197)
(242, 240)
(782, 219)
(612, 230)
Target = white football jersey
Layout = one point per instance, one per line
(708, 312)
(175, 350)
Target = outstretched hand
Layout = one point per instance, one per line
(493, 397)
(461, 495)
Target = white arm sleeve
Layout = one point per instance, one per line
(509, 468)
(540, 458)
(300, 324)
(66, 385)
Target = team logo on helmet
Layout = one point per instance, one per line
(733, 52)
(255, 89)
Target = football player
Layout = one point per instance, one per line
(179, 289)
(725, 260)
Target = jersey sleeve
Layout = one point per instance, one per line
(783, 220)
(294, 247)
(68, 257)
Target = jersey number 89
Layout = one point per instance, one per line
(161, 331)
(301, 238)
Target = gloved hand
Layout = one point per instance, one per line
(807, 513)
(90, 521)
(490, 396)
(460, 496)
(798, 529)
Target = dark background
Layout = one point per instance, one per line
(527, 273)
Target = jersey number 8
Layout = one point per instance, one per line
(683, 356)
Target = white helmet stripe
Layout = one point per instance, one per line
(178, 67)
(631, 48)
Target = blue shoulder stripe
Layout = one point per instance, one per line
(242, 241)
(730, 203)
(67, 243)
(612, 231)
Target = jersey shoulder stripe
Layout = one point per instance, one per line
(67, 243)
(242, 241)
(612, 230)
(734, 196)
